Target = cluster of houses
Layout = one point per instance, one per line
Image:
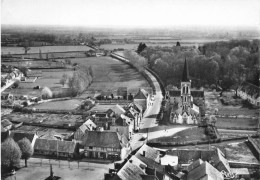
(104, 135)
(150, 163)
(95, 53)
(9, 74)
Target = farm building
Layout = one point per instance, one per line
(57, 148)
(105, 145)
(250, 92)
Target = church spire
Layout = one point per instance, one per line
(185, 75)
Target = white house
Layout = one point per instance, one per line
(250, 92)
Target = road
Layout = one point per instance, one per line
(8, 85)
(152, 111)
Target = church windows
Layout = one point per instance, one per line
(183, 90)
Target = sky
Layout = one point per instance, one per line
(131, 13)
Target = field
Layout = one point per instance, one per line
(110, 74)
(59, 105)
(239, 123)
(43, 118)
(192, 134)
(50, 79)
(44, 49)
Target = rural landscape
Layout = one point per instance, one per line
(131, 100)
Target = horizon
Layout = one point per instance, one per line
(144, 14)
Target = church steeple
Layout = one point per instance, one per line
(185, 75)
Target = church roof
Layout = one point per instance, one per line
(185, 75)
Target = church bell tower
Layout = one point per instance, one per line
(185, 89)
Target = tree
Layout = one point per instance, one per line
(46, 93)
(24, 70)
(141, 47)
(64, 79)
(26, 149)
(178, 43)
(10, 154)
(26, 49)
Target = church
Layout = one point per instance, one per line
(183, 110)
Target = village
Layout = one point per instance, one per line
(127, 128)
(130, 90)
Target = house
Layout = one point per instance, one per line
(57, 148)
(142, 98)
(136, 116)
(132, 170)
(87, 104)
(203, 170)
(123, 125)
(220, 162)
(102, 119)
(105, 145)
(17, 136)
(250, 92)
(116, 110)
(183, 109)
(80, 132)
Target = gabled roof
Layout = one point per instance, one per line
(205, 169)
(150, 152)
(83, 128)
(142, 94)
(138, 107)
(132, 170)
(117, 109)
(102, 139)
(151, 163)
(219, 158)
(17, 136)
(55, 145)
(89, 124)
(185, 74)
(250, 89)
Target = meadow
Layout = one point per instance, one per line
(110, 74)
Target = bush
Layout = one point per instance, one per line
(46, 93)
(16, 84)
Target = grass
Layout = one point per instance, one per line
(191, 134)
(239, 152)
(43, 118)
(237, 122)
(50, 79)
(110, 74)
(59, 105)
